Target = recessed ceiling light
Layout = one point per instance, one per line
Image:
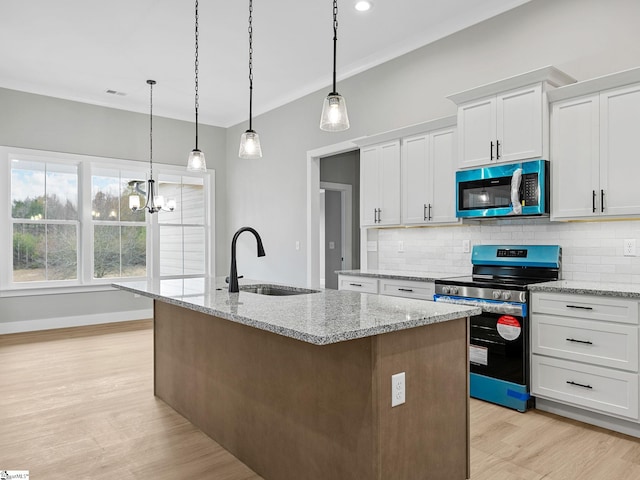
(363, 5)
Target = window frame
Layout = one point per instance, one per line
(85, 224)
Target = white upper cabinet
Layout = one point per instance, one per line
(477, 140)
(575, 154)
(506, 121)
(519, 117)
(428, 178)
(380, 184)
(619, 157)
(594, 150)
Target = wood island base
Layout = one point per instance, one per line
(293, 410)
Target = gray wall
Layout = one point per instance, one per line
(345, 168)
(46, 123)
(585, 38)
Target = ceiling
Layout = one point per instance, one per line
(79, 49)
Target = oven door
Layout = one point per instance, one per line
(498, 338)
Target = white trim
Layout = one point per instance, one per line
(313, 205)
(549, 74)
(74, 321)
(415, 129)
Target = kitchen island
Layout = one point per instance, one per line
(300, 386)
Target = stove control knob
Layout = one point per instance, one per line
(496, 294)
(506, 295)
(446, 290)
(454, 290)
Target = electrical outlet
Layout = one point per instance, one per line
(466, 246)
(400, 246)
(398, 393)
(629, 247)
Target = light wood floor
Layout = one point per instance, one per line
(78, 403)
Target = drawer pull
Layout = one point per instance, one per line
(579, 385)
(580, 307)
(586, 342)
(355, 284)
(405, 289)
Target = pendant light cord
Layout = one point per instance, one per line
(196, 71)
(335, 40)
(250, 64)
(151, 82)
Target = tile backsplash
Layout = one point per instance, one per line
(591, 251)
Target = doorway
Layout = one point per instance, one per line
(336, 231)
(339, 216)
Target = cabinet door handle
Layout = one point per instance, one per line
(602, 200)
(579, 385)
(593, 201)
(355, 284)
(491, 151)
(429, 217)
(497, 149)
(379, 215)
(424, 212)
(405, 289)
(580, 307)
(586, 342)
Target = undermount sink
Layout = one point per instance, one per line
(275, 290)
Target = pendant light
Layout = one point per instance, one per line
(196, 162)
(250, 141)
(334, 110)
(154, 203)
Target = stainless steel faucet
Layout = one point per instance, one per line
(233, 275)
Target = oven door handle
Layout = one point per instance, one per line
(516, 309)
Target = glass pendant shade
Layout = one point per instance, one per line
(134, 202)
(250, 145)
(334, 113)
(196, 162)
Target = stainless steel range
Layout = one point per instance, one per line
(499, 340)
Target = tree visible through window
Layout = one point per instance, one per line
(70, 221)
(119, 235)
(44, 206)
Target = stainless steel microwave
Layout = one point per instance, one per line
(503, 190)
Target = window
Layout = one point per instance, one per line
(119, 235)
(44, 215)
(182, 232)
(71, 224)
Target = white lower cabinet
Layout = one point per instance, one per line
(358, 284)
(603, 389)
(420, 290)
(406, 288)
(584, 352)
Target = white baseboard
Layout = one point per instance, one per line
(620, 425)
(75, 321)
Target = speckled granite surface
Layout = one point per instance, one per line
(328, 316)
(588, 288)
(397, 275)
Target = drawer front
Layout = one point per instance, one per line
(358, 284)
(599, 343)
(597, 388)
(587, 307)
(408, 289)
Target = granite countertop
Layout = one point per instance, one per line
(588, 288)
(398, 275)
(328, 316)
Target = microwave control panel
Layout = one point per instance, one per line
(529, 190)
